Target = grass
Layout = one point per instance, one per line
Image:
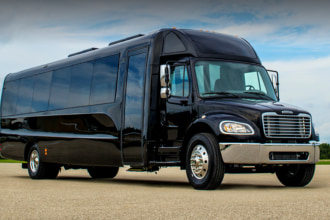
(324, 162)
(11, 161)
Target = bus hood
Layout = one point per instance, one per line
(248, 109)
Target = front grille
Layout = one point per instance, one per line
(286, 126)
(288, 156)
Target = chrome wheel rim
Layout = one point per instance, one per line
(34, 161)
(199, 161)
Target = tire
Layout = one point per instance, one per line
(296, 174)
(102, 172)
(204, 166)
(37, 168)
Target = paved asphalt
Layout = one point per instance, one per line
(165, 195)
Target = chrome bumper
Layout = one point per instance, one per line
(256, 153)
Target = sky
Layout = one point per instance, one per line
(292, 37)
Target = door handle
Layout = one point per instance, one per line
(184, 102)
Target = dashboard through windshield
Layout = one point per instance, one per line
(235, 80)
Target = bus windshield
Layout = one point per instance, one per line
(234, 80)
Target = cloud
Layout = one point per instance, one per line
(307, 76)
(257, 19)
(248, 30)
(291, 36)
(282, 22)
(305, 83)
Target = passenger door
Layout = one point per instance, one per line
(179, 104)
(132, 147)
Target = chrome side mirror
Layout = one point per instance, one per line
(165, 91)
(274, 78)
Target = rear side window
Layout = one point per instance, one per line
(25, 93)
(41, 92)
(80, 84)
(9, 98)
(59, 91)
(105, 80)
(93, 82)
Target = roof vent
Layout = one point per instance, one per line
(83, 51)
(126, 39)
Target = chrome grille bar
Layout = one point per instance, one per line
(286, 126)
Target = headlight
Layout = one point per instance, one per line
(237, 128)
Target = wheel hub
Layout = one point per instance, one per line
(34, 161)
(199, 161)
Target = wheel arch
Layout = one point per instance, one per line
(195, 128)
(27, 149)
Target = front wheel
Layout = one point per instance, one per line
(204, 166)
(296, 174)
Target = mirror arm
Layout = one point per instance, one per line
(277, 84)
(164, 81)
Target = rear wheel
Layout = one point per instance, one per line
(103, 172)
(204, 166)
(37, 168)
(296, 174)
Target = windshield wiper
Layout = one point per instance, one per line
(222, 93)
(260, 94)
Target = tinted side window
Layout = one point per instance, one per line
(59, 91)
(200, 79)
(10, 98)
(80, 84)
(179, 81)
(25, 93)
(105, 80)
(135, 91)
(41, 92)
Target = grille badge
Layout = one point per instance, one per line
(286, 112)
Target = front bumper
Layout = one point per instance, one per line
(256, 153)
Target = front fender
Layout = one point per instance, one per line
(211, 122)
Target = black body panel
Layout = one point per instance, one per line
(88, 139)
(83, 129)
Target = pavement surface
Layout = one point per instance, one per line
(165, 195)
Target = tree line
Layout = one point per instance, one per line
(324, 151)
